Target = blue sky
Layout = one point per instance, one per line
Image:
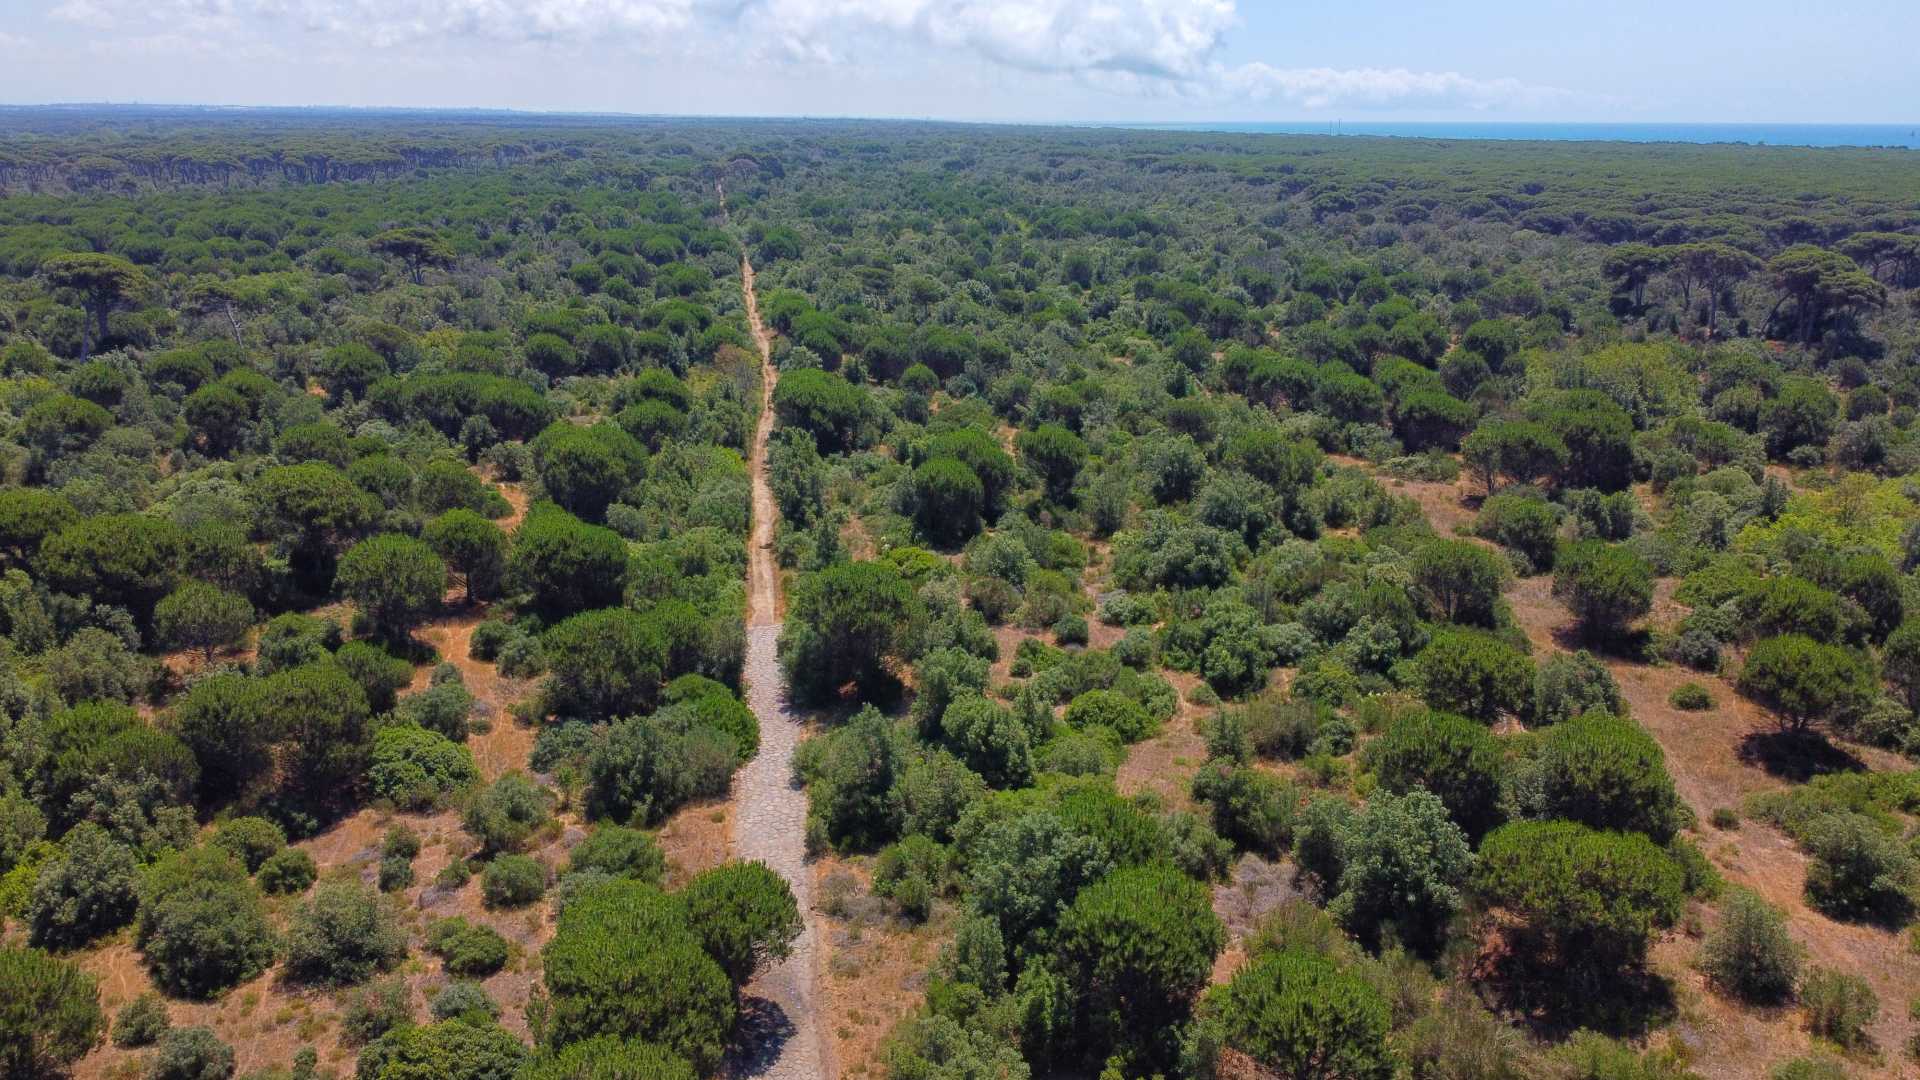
(1037, 60)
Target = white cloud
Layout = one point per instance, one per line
(1164, 39)
(1129, 48)
(1322, 88)
(88, 13)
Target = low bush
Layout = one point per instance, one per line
(1840, 1007)
(468, 950)
(513, 881)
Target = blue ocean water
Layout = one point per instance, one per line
(1900, 135)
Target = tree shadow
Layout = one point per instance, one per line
(1798, 756)
(1552, 1005)
(763, 1031)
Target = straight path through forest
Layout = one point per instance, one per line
(782, 1038)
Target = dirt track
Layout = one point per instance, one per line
(782, 1037)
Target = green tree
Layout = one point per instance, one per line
(1299, 1014)
(1806, 681)
(825, 406)
(1460, 580)
(314, 510)
(103, 284)
(474, 549)
(223, 720)
(948, 500)
(27, 517)
(396, 580)
(1475, 674)
(1589, 902)
(49, 1014)
(1631, 266)
(320, 714)
(744, 915)
(567, 565)
(1715, 268)
(1403, 862)
(415, 246)
(343, 935)
(623, 963)
(1520, 450)
(584, 469)
(604, 664)
(202, 616)
(1900, 660)
(1820, 284)
(1606, 585)
(1136, 948)
(1606, 773)
(125, 560)
(1057, 455)
(1456, 759)
(844, 624)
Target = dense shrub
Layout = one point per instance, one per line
(511, 881)
(416, 768)
(289, 871)
(624, 963)
(1589, 901)
(1299, 1014)
(1749, 952)
(344, 934)
(250, 840)
(469, 950)
(191, 1053)
(1840, 1006)
(1474, 674)
(49, 1013)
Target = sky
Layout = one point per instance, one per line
(1762, 61)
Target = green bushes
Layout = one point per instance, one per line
(624, 963)
(1691, 697)
(511, 881)
(416, 769)
(191, 1053)
(1113, 711)
(141, 1021)
(250, 840)
(344, 934)
(1474, 674)
(470, 951)
(1589, 901)
(1858, 869)
(1840, 1006)
(202, 927)
(49, 1013)
(289, 871)
(1299, 1014)
(1749, 953)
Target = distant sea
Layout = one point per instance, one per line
(1901, 135)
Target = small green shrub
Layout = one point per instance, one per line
(469, 950)
(250, 840)
(1691, 696)
(513, 881)
(141, 1022)
(286, 872)
(1840, 1007)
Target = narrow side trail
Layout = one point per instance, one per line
(783, 1039)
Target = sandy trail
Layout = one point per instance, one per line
(781, 1037)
